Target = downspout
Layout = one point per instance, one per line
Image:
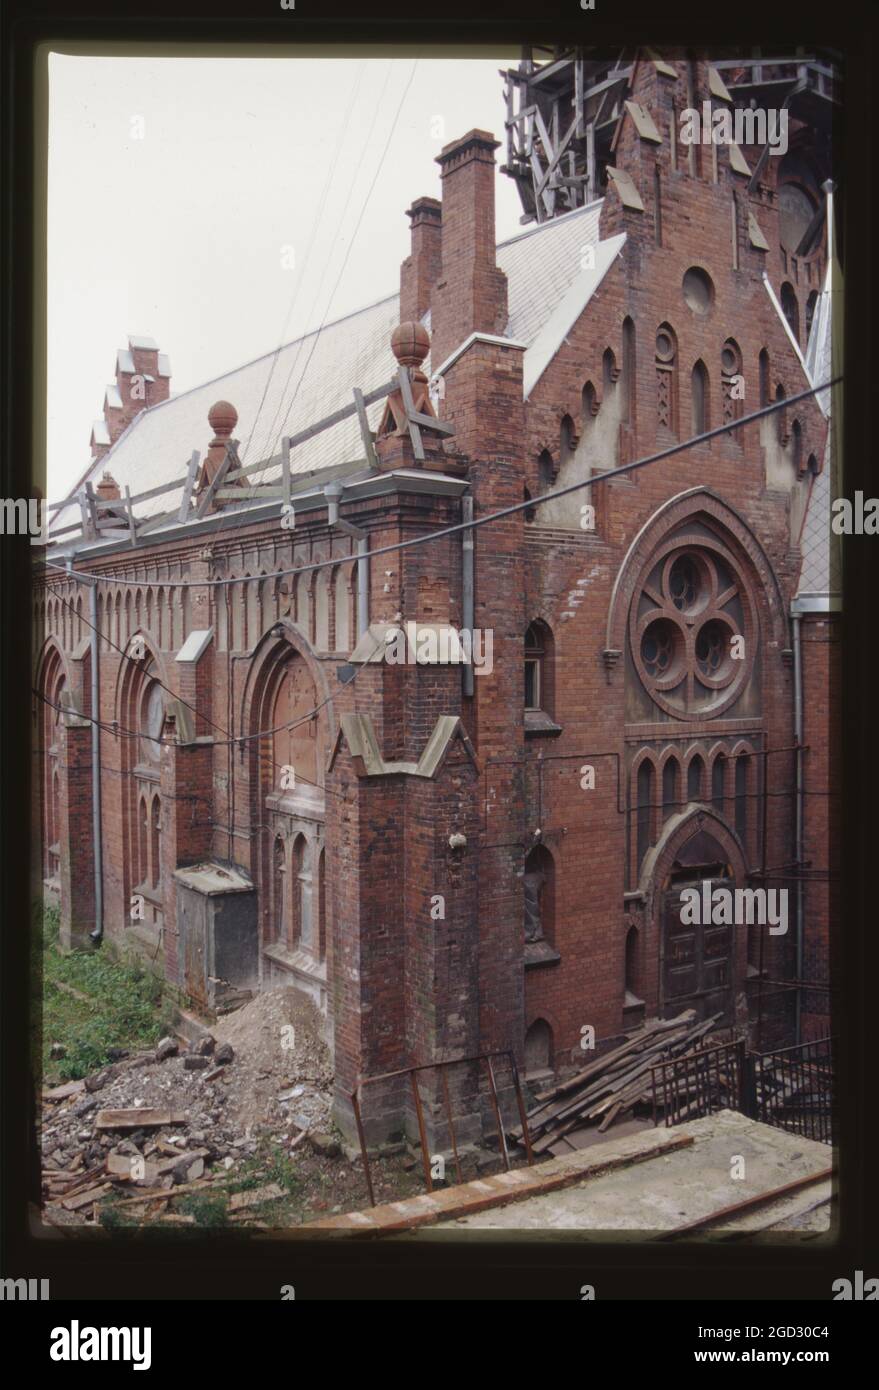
(468, 602)
(800, 796)
(332, 493)
(97, 934)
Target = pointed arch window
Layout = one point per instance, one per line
(695, 776)
(539, 673)
(143, 830)
(790, 308)
(645, 808)
(152, 718)
(700, 397)
(742, 778)
(156, 841)
(629, 375)
(732, 382)
(670, 792)
(718, 782)
(279, 872)
(763, 371)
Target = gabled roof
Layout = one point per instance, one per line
(314, 375)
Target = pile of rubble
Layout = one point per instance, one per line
(151, 1125)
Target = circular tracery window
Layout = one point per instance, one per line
(691, 632)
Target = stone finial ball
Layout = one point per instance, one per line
(410, 344)
(222, 417)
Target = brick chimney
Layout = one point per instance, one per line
(108, 488)
(143, 378)
(420, 272)
(472, 293)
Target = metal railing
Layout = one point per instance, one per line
(793, 1089)
(790, 1088)
(707, 1079)
(442, 1067)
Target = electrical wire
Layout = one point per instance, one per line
(113, 727)
(300, 282)
(445, 531)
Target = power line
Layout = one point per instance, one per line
(113, 727)
(319, 214)
(356, 226)
(528, 505)
(271, 431)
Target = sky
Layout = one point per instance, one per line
(223, 206)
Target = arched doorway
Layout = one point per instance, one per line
(288, 809)
(697, 958)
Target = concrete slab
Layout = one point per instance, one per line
(647, 1183)
(677, 1188)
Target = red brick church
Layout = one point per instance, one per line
(456, 860)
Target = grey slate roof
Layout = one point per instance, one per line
(314, 376)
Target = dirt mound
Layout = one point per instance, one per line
(278, 1049)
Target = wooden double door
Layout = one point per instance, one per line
(697, 958)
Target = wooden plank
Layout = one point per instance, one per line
(219, 477)
(82, 1199)
(90, 515)
(163, 519)
(365, 432)
(311, 431)
(69, 1088)
(150, 1194)
(265, 490)
(186, 501)
(131, 523)
(430, 422)
(141, 1117)
(409, 406)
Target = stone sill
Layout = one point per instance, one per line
(539, 725)
(539, 953)
(297, 962)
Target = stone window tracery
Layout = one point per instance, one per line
(690, 631)
(666, 378)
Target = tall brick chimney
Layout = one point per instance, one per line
(472, 293)
(422, 271)
(143, 378)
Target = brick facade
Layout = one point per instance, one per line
(350, 865)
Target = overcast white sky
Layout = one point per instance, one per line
(180, 234)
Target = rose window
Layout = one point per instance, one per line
(691, 630)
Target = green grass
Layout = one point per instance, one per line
(115, 1005)
(209, 1208)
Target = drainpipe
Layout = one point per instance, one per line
(800, 795)
(468, 605)
(97, 934)
(332, 493)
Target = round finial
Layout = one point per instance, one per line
(410, 344)
(222, 417)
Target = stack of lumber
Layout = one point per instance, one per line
(614, 1083)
